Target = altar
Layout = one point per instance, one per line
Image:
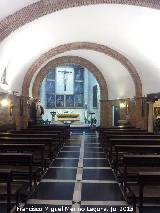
(68, 118)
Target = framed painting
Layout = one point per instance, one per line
(59, 100)
(51, 74)
(50, 102)
(95, 96)
(78, 100)
(50, 86)
(79, 74)
(69, 100)
(157, 111)
(79, 87)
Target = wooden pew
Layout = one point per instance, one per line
(107, 135)
(6, 177)
(113, 142)
(114, 130)
(134, 149)
(51, 145)
(133, 164)
(146, 179)
(55, 137)
(44, 134)
(65, 129)
(129, 136)
(11, 188)
(16, 162)
(36, 149)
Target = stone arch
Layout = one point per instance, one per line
(85, 63)
(70, 59)
(44, 7)
(82, 45)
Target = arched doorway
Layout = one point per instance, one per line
(35, 87)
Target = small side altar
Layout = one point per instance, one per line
(68, 117)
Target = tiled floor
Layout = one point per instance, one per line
(80, 180)
(80, 177)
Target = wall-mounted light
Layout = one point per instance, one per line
(122, 105)
(5, 102)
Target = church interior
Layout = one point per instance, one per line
(79, 106)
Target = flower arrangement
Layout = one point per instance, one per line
(67, 115)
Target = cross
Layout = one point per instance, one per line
(65, 78)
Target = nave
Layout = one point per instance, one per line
(80, 177)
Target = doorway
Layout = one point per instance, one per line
(115, 115)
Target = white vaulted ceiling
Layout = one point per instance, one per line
(132, 31)
(8, 7)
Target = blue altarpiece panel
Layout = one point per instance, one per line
(50, 101)
(74, 98)
(79, 87)
(51, 74)
(59, 100)
(50, 87)
(79, 73)
(79, 100)
(69, 100)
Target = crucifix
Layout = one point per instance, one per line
(65, 78)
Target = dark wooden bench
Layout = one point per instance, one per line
(9, 188)
(134, 149)
(37, 150)
(133, 164)
(102, 130)
(65, 129)
(58, 136)
(147, 179)
(6, 177)
(16, 162)
(128, 136)
(120, 141)
(52, 146)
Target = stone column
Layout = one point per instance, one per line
(150, 117)
(141, 121)
(25, 117)
(104, 113)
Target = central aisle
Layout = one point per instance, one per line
(80, 177)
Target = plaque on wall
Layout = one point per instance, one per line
(69, 100)
(50, 86)
(50, 101)
(59, 100)
(79, 73)
(79, 100)
(79, 87)
(51, 75)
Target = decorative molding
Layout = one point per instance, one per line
(70, 59)
(81, 45)
(44, 7)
